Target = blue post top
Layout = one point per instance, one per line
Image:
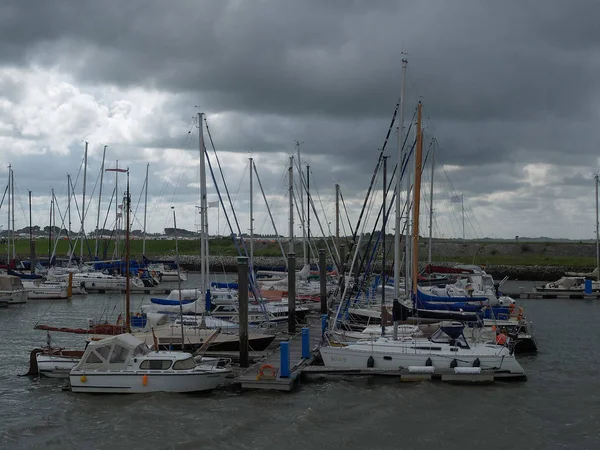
(305, 342)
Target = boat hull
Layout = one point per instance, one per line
(137, 382)
(398, 358)
(56, 366)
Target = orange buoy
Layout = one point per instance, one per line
(501, 339)
(145, 380)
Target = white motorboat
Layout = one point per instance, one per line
(566, 284)
(168, 273)
(43, 291)
(98, 281)
(447, 349)
(12, 290)
(124, 364)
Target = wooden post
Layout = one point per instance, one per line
(243, 312)
(70, 286)
(323, 280)
(291, 293)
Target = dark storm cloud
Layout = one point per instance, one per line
(504, 84)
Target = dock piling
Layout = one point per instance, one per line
(305, 343)
(284, 353)
(243, 311)
(291, 293)
(323, 281)
(588, 287)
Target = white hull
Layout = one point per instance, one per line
(398, 355)
(14, 297)
(100, 282)
(47, 294)
(122, 382)
(55, 366)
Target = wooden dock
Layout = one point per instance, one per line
(266, 373)
(448, 376)
(554, 295)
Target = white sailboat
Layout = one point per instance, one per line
(445, 350)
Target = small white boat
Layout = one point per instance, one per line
(167, 273)
(98, 281)
(568, 284)
(43, 291)
(57, 363)
(124, 364)
(12, 290)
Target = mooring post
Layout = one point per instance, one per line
(291, 293)
(70, 286)
(284, 363)
(305, 342)
(323, 280)
(243, 313)
(323, 323)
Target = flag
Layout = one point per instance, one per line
(214, 204)
(456, 199)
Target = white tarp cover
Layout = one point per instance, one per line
(112, 353)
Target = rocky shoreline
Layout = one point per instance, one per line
(228, 264)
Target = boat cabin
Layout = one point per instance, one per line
(450, 334)
(10, 283)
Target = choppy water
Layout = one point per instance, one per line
(558, 407)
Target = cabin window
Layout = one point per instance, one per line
(119, 354)
(155, 364)
(103, 352)
(185, 364)
(93, 358)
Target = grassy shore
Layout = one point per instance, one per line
(575, 255)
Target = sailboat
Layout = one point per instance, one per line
(446, 350)
(125, 364)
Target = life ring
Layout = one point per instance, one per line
(271, 372)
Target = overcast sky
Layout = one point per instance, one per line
(510, 91)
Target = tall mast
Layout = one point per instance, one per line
(416, 203)
(50, 229)
(308, 209)
(12, 230)
(85, 158)
(69, 203)
(304, 254)
(203, 263)
(597, 232)
(117, 210)
(291, 197)
(145, 213)
(431, 200)
(178, 277)
(126, 206)
(100, 201)
(31, 241)
(127, 257)
(251, 218)
(397, 254)
(8, 225)
(383, 227)
(337, 220)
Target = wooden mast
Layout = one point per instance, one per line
(416, 203)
